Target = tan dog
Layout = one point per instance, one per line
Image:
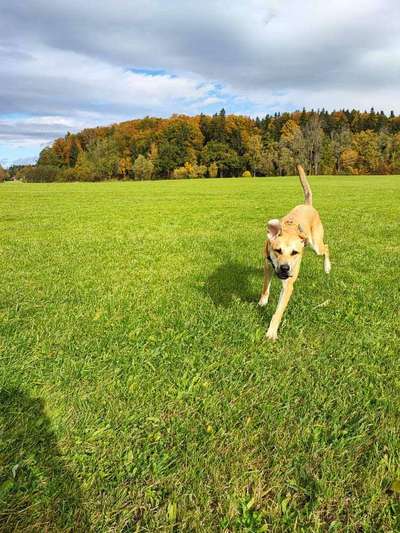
(286, 240)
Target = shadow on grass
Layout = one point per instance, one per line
(37, 492)
(232, 280)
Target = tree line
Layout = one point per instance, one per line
(338, 142)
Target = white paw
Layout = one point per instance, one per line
(327, 266)
(263, 300)
(272, 334)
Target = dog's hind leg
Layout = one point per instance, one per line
(319, 247)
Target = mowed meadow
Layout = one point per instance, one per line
(137, 389)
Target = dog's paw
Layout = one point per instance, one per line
(263, 300)
(272, 334)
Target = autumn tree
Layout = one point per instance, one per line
(313, 140)
(254, 153)
(143, 168)
(71, 150)
(238, 130)
(125, 165)
(286, 161)
(101, 160)
(181, 140)
(366, 143)
(291, 148)
(395, 154)
(385, 141)
(213, 170)
(48, 156)
(348, 161)
(340, 141)
(270, 159)
(85, 168)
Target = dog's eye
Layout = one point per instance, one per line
(278, 251)
(294, 252)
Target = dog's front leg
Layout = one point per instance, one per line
(286, 293)
(268, 272)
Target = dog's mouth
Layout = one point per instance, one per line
(283, 275)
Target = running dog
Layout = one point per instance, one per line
(286, 240)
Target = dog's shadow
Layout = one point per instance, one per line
(232, 280)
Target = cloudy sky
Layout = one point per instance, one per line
(65, 65)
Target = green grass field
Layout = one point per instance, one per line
(137, 390)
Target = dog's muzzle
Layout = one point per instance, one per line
(283, 272)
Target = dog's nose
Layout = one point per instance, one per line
(285, 268)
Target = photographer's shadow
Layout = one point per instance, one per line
(233, 280)
(37, 491)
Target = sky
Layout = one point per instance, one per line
(66, 65)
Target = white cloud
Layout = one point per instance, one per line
(56, 79)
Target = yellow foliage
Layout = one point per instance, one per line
(289, 130)
(348, 160)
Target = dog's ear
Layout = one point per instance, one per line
(302, 235)
(273, 228)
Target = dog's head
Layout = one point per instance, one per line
(285, 246)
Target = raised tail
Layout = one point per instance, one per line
(305, 185)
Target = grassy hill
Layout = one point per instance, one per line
(137, 390)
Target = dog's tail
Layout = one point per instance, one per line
(305, 185)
